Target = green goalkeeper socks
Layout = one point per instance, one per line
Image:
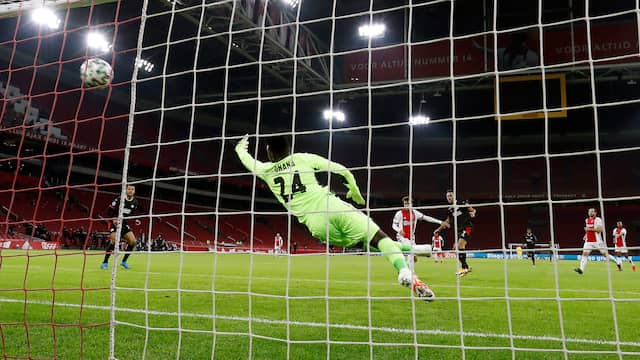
(392, 251)
(404, 248)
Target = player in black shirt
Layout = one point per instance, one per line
(130, 207)
(463, 212)
(530, 240)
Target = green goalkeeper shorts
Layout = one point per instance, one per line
(343, 224)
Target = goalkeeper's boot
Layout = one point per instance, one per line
(465, 272)
(420, 289)
(125, 265)
(104, 266)
(578, 270)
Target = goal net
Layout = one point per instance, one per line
(499, 116)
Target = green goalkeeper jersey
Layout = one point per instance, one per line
(292, 179)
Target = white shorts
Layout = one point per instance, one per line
(403, 240)
(437, 250)
(622, 249)
(598, 245)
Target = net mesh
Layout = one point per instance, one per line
(527, 111)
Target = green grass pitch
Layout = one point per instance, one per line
(240, 306)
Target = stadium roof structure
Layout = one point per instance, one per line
(275, 65)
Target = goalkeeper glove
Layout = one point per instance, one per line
(243, 144)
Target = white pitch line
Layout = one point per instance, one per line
(323, 325)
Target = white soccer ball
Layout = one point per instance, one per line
(95, 72)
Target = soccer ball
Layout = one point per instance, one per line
(95, 72)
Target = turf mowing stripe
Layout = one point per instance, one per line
(323, 325)
(432, 284)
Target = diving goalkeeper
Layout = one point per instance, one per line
(291, 178)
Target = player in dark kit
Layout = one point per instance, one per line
(530, 240)
(130, 207)
(463, 212)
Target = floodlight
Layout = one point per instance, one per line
(97, 41)
(331, 114)
(46, 16)
(371, 31)
(419, 120)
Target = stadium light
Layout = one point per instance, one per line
(45, 16)
(292, 3)
(372, 31)
(146, 65)
(419, 120)
(331, 114)
(97, 41)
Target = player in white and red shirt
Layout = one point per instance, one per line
(404, 222)
(437, 243)
(620, 243)
(277, 244)
(593, 240)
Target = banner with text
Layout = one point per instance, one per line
(475, 55)
(29, 245)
